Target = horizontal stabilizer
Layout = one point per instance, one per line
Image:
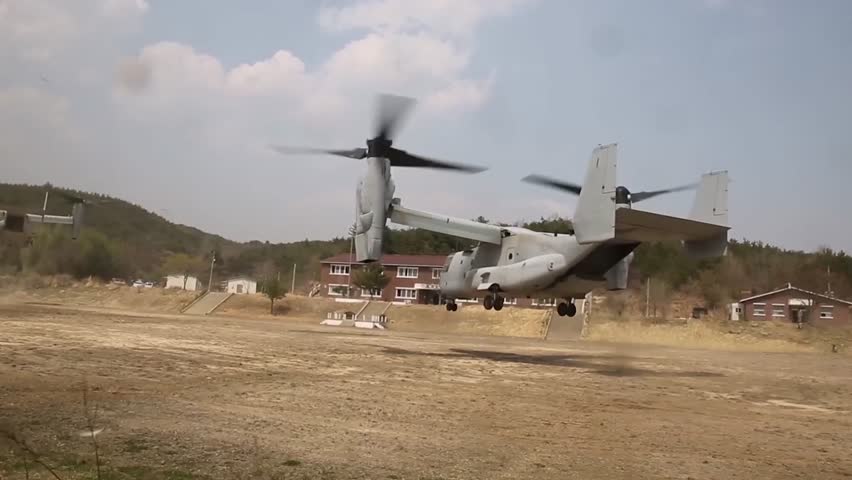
(639, 226)
(457, 227)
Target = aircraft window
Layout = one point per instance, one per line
(511, 255)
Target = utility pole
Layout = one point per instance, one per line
(828, 281)
(351, 245)
(293, 283)
(210, 280)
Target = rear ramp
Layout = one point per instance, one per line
(208, 303)
(567, 328)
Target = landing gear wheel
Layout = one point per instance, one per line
(488, 302)
(572, 310)
(449, 307)
(455, 306)
(498, 303)
(562, 309)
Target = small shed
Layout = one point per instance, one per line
(177, 281)
(241, 285)
(796, 305)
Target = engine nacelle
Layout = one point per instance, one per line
(372, 199)
(531, 274)
(454, 282)
(77, 220)
(13, 222)
(616, 277)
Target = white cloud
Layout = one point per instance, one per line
(282, 73)
(38, 30)
(124, 8)
(416, 65)
(442, 16)
(462, 94)
(177, 69)
(170, 75)
(173, 113)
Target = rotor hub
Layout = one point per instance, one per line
(622, 195)
(378, 147)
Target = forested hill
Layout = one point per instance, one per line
(140, 234)
(124, 240)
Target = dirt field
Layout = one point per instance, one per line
(184, 397)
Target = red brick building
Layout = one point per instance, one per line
(414, 279)
(791, 303)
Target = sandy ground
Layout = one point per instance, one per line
(184, 397)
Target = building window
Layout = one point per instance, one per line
(338, 290)
(778, 310)
(406, 293)
(436, 274)
(407, 272)
(374, 293)
(544, 302)
(826, 311)
(759, 309)
(340, 269)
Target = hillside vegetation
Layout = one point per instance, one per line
(124, 240)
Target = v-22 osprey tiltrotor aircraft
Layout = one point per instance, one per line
(21, 222)
(518, 262)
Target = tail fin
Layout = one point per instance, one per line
(710, 206)
(594, 219)
(711, 200)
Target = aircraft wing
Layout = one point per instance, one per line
(639, 226)
(60, 219)
(457, 227)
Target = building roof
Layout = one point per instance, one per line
(241, 277)
(791, 287)
(395, 260)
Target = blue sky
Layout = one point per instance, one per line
(170, 105)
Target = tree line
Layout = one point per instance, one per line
(123, 240)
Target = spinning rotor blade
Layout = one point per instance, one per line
(356, 153)
(75, 199)
(639, 196)
(392, 110)
(548, 182)
(401, 158)
(69, 197)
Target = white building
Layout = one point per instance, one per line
(176, 281)
(241, 285)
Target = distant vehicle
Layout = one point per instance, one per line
(118, 281)
(138, 284)
(149, 284)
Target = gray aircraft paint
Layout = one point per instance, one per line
(524, 263)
